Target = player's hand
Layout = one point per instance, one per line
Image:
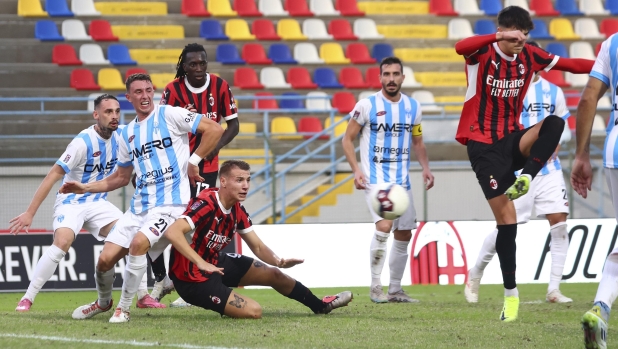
(23, 221)
(72, 187)
(428, 179)
(212, 155)
(581, 176)
(513, 36)
(289, 262)
(194, 174)
(359, 180)
(209, 268)
(191, 108)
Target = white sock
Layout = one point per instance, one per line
(45, 268)
(608, 287)
(397, 263)
(142, 289)
(513, 292)
(377, 255)
(133, 273)
(558, 249)
(488, 250)
(105, 283)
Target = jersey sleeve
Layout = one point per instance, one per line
(124, 159)
(478, 56)
(360, 113)
(601, 69)
(561, 107)
(170, 97)
(182, 120)
(243, 224)
(227, 104)
(196, 211)
(74, 156)
(541, 59)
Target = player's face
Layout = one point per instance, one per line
(107, 114)
(391, 78)
(140, 95)
(512, 47)
(195, 66)
(237, 183)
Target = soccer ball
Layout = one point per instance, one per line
(389, 200)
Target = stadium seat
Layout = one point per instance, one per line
(132, 71)
(220, 8)
(194, 8)
(247, 79)
(30, 8)
(83, 80)
(265, 103)
(315, 29)
(612, 6)
(74, 29)
(372, 77)
(110, 79)
(427, 101)
(485, 26)
(289, 29)
(359, 54)
(317, 100)
(281, 54)
(382, 50)
(340, 128)
(540, 31)
(558, 49)
(555, 77)
(604, 103)
(587, 28)
(124, 104)
(344, 102)
(410, 80)
(46, 30)
(520, 3)
(228, 54)
(246, 8)
(58, 8)
(326, 78)
(101, 30)
(64, 54)
(562, 29)
(306, 53)
(272, 8)
(365, 28)
(365, 94)
(543, 8)
(323, 8)
(441, 8)
(84, 8)
(341, 29)
(161, 79)
(467, 8)
(132, 8)
(238, 29)
(332, 53)
(568, 8)
(299, 78)
(351, 77)
(210, 29)
(597, 49)
(459, 28)
(246, 128)
(581, 49)
(291, 103)
(349, 8)
(118, 54)
(491, 7)
(588, 7)
(272, 77)
(598, 125)
(297, 8)
(92, 54)
(283, 125)
(609, 26)
(310, 124)
(155, 56)
(148, 32)
(255, 54)
(263, 29)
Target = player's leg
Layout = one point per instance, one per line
(377, 251)
(398, 256)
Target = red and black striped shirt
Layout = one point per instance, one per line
(214, 99)
(214, 228)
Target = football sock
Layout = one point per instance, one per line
(142, 289)
(397, 263)
(511, 292)
(158, 267)
(133, 273)
(608, 287)
(488, 250)
(377, 255)
(558, 249)
(304, 295)
(45, 268)
(105, 283)
(545, 145)
(506, 249)
(605, 310)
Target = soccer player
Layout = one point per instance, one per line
(203, 275)
(602, 78)
(91, 156)
(499, 68)
(390, 126)
(547, 193)
(155, 144)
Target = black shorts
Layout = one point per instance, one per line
(210, 181)
(495, 164)
(213, 293)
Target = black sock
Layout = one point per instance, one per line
(158, 267)
(304, 295)
(545, 145)
(506, 248)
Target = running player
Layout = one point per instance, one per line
(547, 193)
(499, 68)
(203, 274)
(155, 143)
(390, 126)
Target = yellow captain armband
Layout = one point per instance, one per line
(417, 130)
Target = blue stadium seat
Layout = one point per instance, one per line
(280, 53)
(485, 26)
(118, 54)
(380, 51)
(558, 49)
(46, 30)
(211, 29)
(491, 7)
(228, 54)
(540, 31)
(124, 104)
(58, 8)
(568, 8)
(612, 6)
(291, 103)
(326, 78)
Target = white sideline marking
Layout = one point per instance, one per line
(533, 302)
(103, 341)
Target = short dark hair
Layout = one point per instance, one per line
(533, 43)
(137, 77)
(515, 17)
(389, 61)
(228, 165)
(102, 98)
(180, 70)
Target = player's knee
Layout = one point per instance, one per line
(105, 263)
(384, 226)
(276, 274)
(64, 241)
(254, 311)
(139, 245)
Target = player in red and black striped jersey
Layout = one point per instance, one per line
(499, 68)
(203, 275)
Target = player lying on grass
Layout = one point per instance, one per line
(202, 275)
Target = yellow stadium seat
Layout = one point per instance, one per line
(160, 80)
(451, 99)
(244, 127)
(257, 155)
(283, 124)
(30, 8)
(394, 7)
(148, 32)
(238, 29)
(339, 129)
(454, 79)
(562, 29)
(221, 8)
(118, 8)
(110, 79)
(332, 53)
(289, 29)
(436, 54)
(414, 31)
(154, 56)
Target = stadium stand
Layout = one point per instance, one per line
(118, 54)
(289, 29)
(30, 8)
(543, 8)
(281, 54)
(352, 78)
(339, 129)
(238, 29)
(558, 49)
(272, 77)
(490, 7)
(132, 71)
(459, 28)
(359, 54)
(64, 54)
(317, 101)
(344, 102)
(263, 29)
(193, 8)
(92, 54)
(591, 8)
(155, 56)
(46, 30)
(576, 80)
(410, 81)
(131, 8)
(612, 6)
(556, 77)
(315, 29)
(485, 26)
(74, 29)
(310, 124)
(365, 28)
(300, 78)
(211, 29)
(468, 8)
(323, 8)
(427, 101)
(148, 32)
(381, 50)
(255, 54)
(341, 29)
(562, 29)
(568, 8)
(84, 8)
(442, 8)
(326, 78)
(587, 28)
(265, 103)
(272, 8)
(247, 79)
(348, 8)
(581, 49)
(83, 80)
(101, 30)
(58, 8)
(609, 26)
(521, 3)
(283, 127)
(228, 54)
(332, 53)
(110, 79)
(307, 53)
(540, 31)
(246, 8)
(297, 8)
(372, 77)
(291, 103)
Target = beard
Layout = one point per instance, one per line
(391, 94)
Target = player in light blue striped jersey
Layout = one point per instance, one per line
(389, 124)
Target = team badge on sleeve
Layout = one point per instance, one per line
(196, 204)
(67, 158)
(356, 114)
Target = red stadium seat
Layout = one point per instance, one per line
(348, 8)
(555, 77)
(64, 54)
(246, 78)
(300, 78)
(372, 76)
(573, 101)
(310, 124)
(351, 77)
(297, 8)
(101, 30)
(132, 71)
(83, 80)
(265, 103)
(543, 8)
(264, 29)
(571, 122)
(441, 8)
(246, 8)
(359, 54)
(341, 29)
(194, 8)
(255, 54)
(598, 48)
(344, 102)
(609, 26)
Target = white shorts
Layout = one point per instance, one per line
(407, 221)
(611, 176)
(151, 223)
(547, 194)
(91, 216)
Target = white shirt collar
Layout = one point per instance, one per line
(502, 54)
(200, 89)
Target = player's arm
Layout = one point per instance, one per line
(211, 134)
(118, 179)
(228, 135)
(176, 235)
(421, 155)
(265, 254)
(347, 142)
(469, 46)
(574, 65)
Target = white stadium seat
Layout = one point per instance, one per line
(323, 8)
(84, 8)
(315, 29)
(92, 54)
(74, 29)
(365, 28)
(91, 98)
(410, 80)
(427, 101)
(587, 28)
(576, 80)
(468, 8)
(459, 28)
(593, 7)
(521, 3)
(272, 8)
(598, 126)
(604, 102)
(581, 49)
(272, 77)
(365, 94)
(307, 53)
(317, 104)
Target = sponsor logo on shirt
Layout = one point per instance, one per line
(381, 113)
(96, 154)
(146, 149)
(154, 231)
(106, 168)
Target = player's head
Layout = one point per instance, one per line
(514, 18)
(106, 112)
(391, 75)
(192, 63)
(140, 92)
(234, 179)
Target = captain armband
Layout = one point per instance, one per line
(417, 130)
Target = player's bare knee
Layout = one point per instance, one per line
(63, 239)
(105, 263)
(384, 226)
(254, 310)
(276, 275)
(139, 245)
